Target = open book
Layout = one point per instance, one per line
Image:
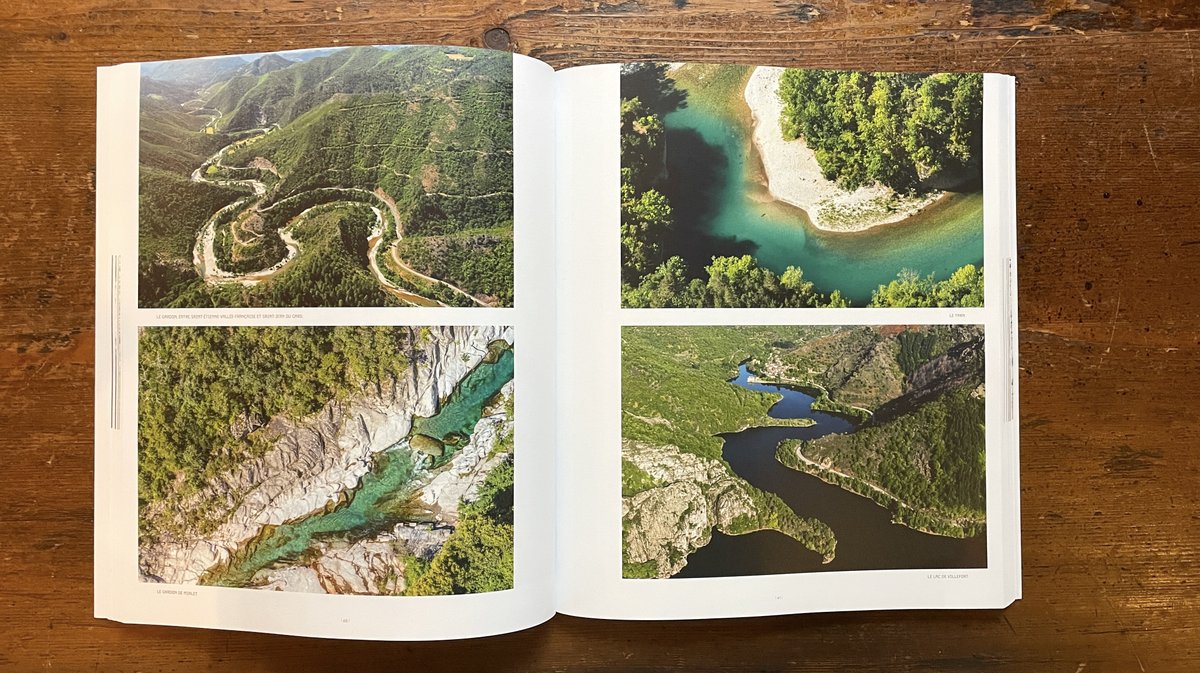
(431, 342)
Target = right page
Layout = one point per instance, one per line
(787, 309)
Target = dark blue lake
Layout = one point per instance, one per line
(866, 537)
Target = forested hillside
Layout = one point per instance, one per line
(897, 129)
(914, 395)
(423, 135)
(918, 395)
(203, 392)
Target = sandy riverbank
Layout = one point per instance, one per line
(793, 175)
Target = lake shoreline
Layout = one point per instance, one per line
(711, 145)
(792, 175)
(810, 467)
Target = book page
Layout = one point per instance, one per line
(325, 343)
(787, 308)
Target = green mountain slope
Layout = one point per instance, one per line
(193, 73)
(915, 393)
(428, 129)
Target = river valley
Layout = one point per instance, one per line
(384, 497)
(866, 537)
(721, 205)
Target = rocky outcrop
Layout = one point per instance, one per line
(376, 566)
(371, 567)
(459, 482)
(867, 378)
(853, 366)
(314, 461)
(960, 366)
(296, 578)
(421, 540)
(666, 523)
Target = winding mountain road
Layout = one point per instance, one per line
(204, 254)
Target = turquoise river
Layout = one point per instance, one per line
(721, 207)
(382, 497)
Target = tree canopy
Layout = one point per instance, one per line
(203, 391)
(432, 133)
(650, 278)
(895, 129)
(729, 282)
(478, 555)
(964, 287)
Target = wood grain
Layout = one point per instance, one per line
(1108, 189)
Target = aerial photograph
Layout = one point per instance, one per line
(337, 460)
(765, 187)
(760, 450)
(356, 176)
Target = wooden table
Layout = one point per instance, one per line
(1108, 183)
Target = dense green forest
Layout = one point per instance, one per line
(931, 459)
(677, 375)
(165, 243)
(895, 129)
(333, 270)
(964, 287)
(478, 555)
(203, 392)
(923, 441)
(481, 261)
(729, 282)
(429, 128)
(645, 212)
(171, 207)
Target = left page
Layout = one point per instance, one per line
(325, 343)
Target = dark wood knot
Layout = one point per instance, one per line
(497, 38)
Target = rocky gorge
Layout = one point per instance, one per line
(313, 467)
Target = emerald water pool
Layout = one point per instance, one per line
(465, 405)
(721, 208)
(381, 499)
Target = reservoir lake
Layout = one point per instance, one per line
(866, 537)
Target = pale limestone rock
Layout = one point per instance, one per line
(296, 579)
(666, 523)
(368, 567)
(371, 567)
(461, 478)
(316, 460)
(794, 176)
(421, 540)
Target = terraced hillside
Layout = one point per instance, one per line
(362, 176)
